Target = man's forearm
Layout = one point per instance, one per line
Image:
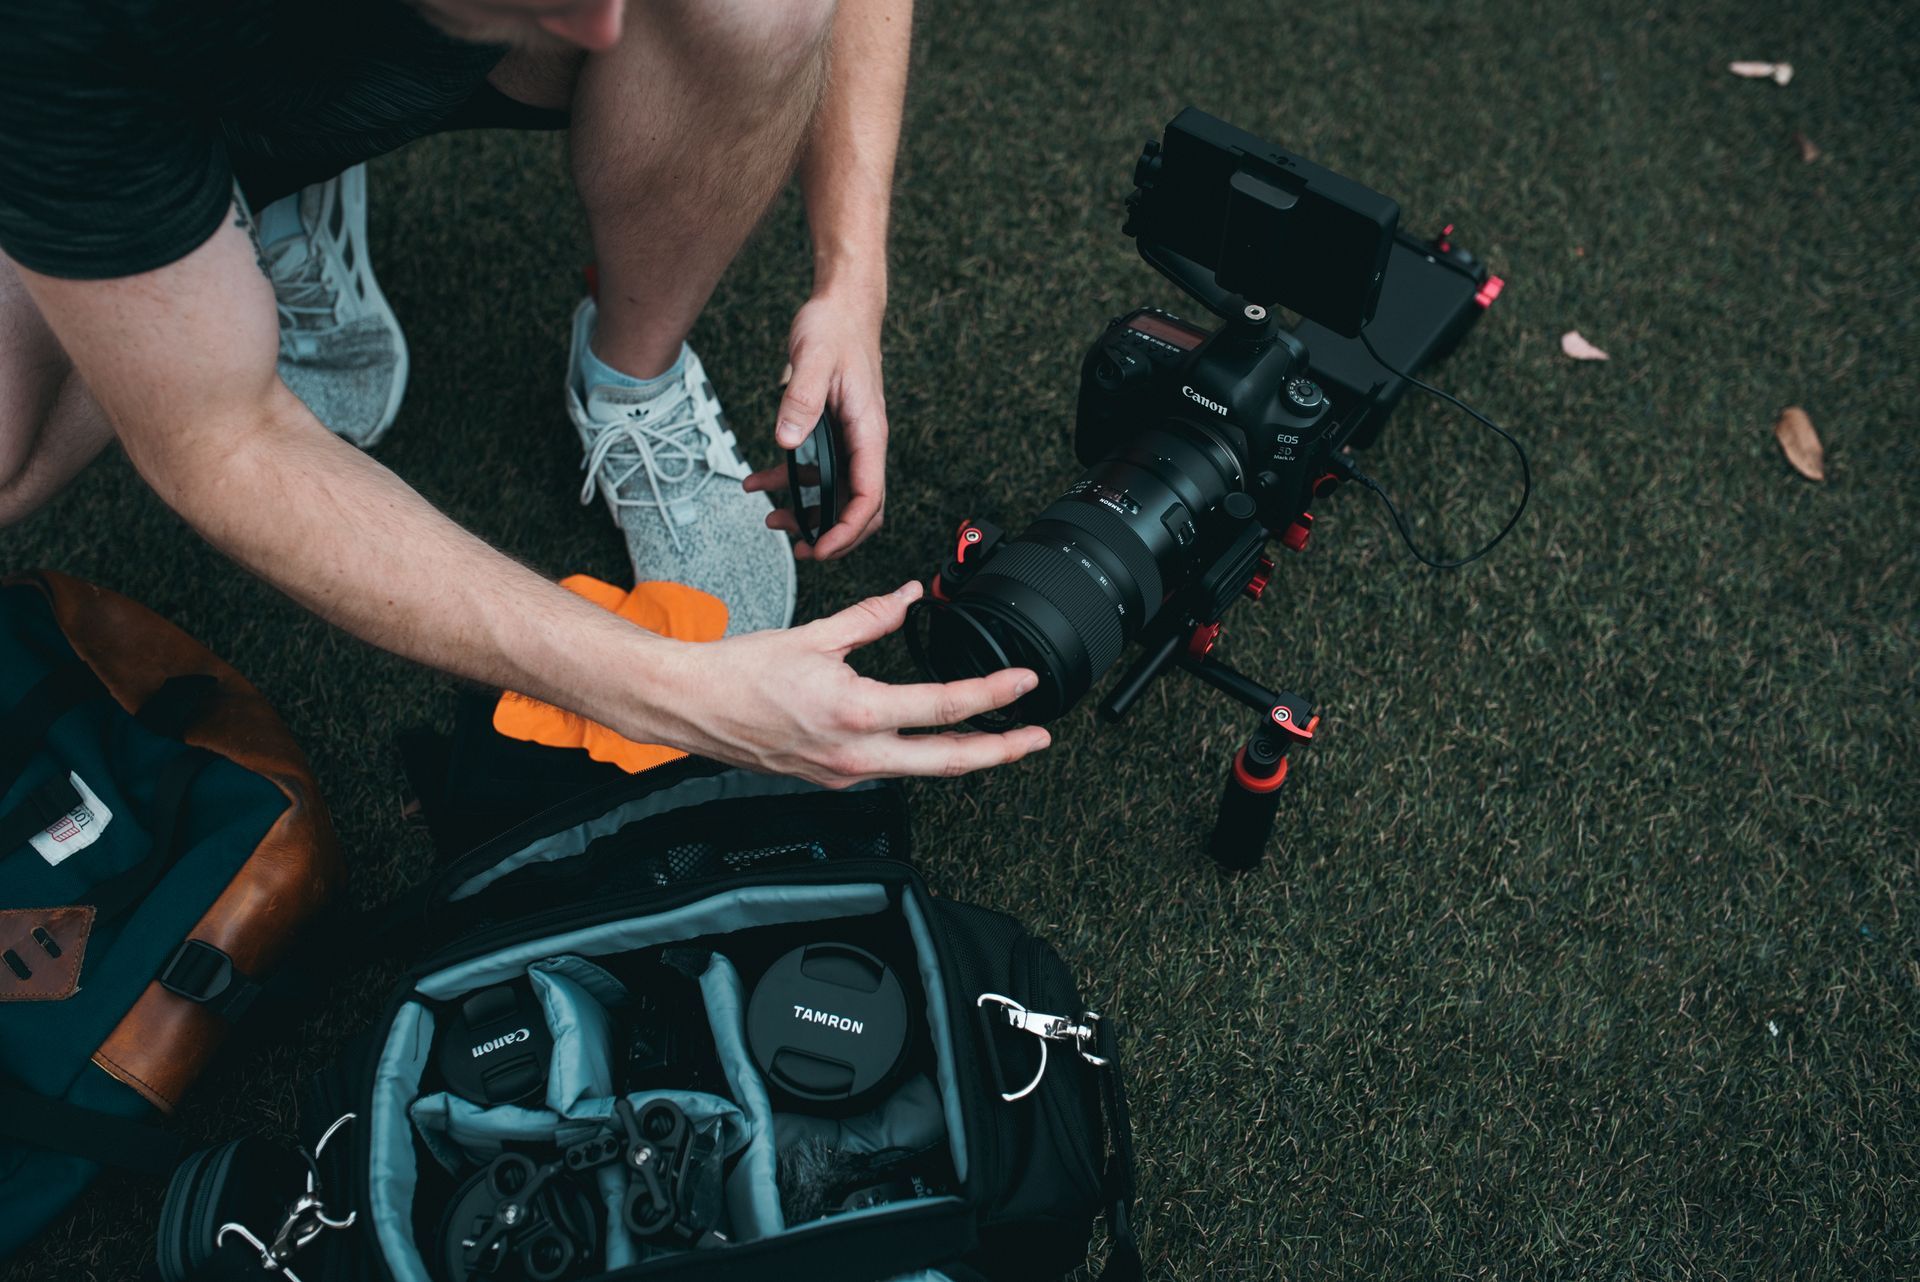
(846, 172)
(181, 359)
(348, 539)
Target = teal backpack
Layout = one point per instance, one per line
(161, 845)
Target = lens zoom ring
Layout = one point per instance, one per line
(1112, 532)
(1059, 578)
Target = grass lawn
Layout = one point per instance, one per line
(1588, 947)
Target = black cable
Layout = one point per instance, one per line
(1346, 464)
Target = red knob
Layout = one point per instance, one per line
(1296, 535)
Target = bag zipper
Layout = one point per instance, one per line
(574, 811)
(652, 902)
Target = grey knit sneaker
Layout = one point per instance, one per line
(670, 471)
(341, 349)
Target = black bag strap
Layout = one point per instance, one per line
(204, 974)
(1123, 1256)
(42, 807)
(99, 1137)
(26, 723)
(123, 890)
(172, 710)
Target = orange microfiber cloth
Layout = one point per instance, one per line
(670, 609)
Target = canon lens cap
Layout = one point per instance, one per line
(495, 1047)
(827, 1024)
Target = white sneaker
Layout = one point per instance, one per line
(341, 349)
(670, 471)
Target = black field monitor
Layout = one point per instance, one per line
(1272, 227)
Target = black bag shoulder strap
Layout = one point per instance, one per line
(122, 891)
(1123, 1256)
(26, 723)
(39, 810)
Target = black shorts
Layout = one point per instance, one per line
(127, 123)
(265, 176)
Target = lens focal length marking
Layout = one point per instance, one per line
(1100, 576)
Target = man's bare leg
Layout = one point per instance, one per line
(682, 136)
(50, 425)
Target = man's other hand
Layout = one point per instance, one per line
(835, 352)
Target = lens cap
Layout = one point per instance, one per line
(496, 1047)
(827, 1025)
(817, 479)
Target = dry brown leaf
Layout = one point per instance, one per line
(1778, 72)
(1579, 348)
(1808, 151)
(1800, 443)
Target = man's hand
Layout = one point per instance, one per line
(786, 702)
(834, 352)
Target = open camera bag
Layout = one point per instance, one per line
(161, 844)
(711, 866)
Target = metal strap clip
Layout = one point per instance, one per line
(306, 1219)
(1084, 1033)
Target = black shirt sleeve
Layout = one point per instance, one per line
(104, 171)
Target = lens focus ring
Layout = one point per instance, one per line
(1113, 533)
(1059, 577)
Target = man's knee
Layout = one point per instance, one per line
(26, 405)
(19, 499)
(49, 430)
(49, 426)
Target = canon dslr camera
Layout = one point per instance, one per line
(1202, 444)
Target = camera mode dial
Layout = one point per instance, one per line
(1305, 394)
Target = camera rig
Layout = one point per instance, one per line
(1203, 446)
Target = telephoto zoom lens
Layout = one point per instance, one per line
(1094, 568)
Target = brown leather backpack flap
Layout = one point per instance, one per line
(165, 1041)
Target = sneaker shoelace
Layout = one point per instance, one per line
(668, 441)
(304, 291)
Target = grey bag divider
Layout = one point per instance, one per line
(751, 1192)
(576, 996)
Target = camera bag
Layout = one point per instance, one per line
(161, 845)
(1004, 1137)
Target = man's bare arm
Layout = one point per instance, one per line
(846, 172)
(183, 361)
(846, 177)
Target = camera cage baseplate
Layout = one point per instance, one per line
(1183, 637)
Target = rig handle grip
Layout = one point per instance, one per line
(1248, 807)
